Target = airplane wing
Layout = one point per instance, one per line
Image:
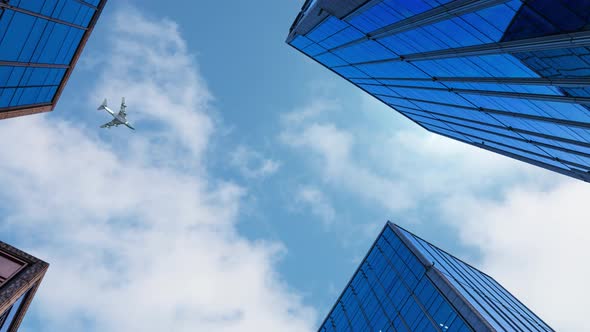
(123, 108)
(113, 122)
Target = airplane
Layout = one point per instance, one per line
(119, 118)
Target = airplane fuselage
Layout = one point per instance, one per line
(116, 116)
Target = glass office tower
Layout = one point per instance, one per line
(40, 43)
(407, 284)
(508, 76)
(20, 276)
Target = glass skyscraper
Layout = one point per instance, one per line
(407, 284)
(40, 43)
(20, 277)
(508, 76)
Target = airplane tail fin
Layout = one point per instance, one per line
(103, 105)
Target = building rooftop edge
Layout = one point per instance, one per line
(78, 52)
(26, 280)
(352, 276)
(462, 306)
(314, 12)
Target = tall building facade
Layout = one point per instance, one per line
(40, 43)
(407, 284)
(20, 277)
(508, 76)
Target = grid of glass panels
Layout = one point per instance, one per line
(391, 292)
(500, 308)
(470, 72)
(38, 40)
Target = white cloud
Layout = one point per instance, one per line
(315, 108)
(534, 242)
(331, 147)
(139, 236)
(252, 164)
(317, 202)
(170, 81)
(396, 168)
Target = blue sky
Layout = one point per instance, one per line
(255, 183)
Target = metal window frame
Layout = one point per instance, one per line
(339, 299)
(86, 4)
(446, 254)
(15, 259)
(471, 284)
(12, 112)
(547, 156)
(411, 291)
(30, 86)
(520, 139)
(571, 123)
(79, 50)
(472, 317)
(381, 305)
(4, 5)
(574, 173)
(26, 280)
(491, 125)
(397, 306)
(309, 18)
(437, 14)
(22, 110)
(507, 94)
(360, 305)
(565, 40)
(33, 64)
(558, 81)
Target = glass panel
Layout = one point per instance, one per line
(391, 292)
(501, 309)
(8, 267)
(390, 11)
(481, 27)
(25, 38)
(70, 11)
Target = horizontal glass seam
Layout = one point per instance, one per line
(570, 40)
(51, 19)
(437, 14)
(579, 124)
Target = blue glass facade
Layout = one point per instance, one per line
(511, 76)
(40, 42)
(407, 284)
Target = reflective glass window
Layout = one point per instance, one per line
(376, 64)
(391, 292)
(43, 33)
(503, 310)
